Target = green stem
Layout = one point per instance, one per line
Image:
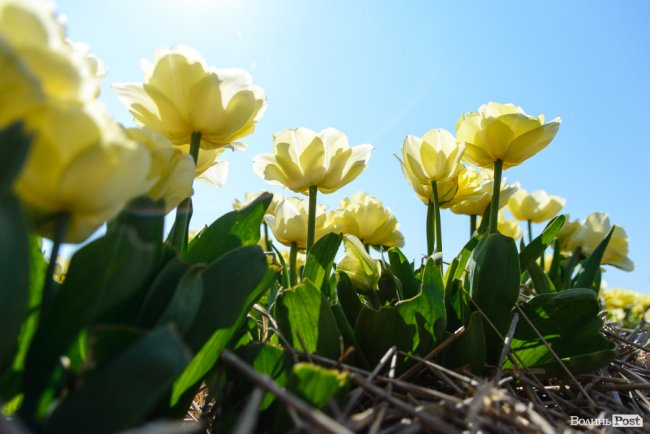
(472, 225)
(430, 227)
(184, 210)
(530, 231)
(436, 206)
(61, 224)
(293, 254)
(496, 192)
(311, 222)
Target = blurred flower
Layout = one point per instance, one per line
(434, 157)
(31, 30)
(88, 169)
(503, 132)
(363, 270)
(509, 228)
(289, 222)
(536, 207)
(626, 306)
(61, 269)
(249, 197)
(592, 231)
(303, 158)
(365, 217)
(181, 95)
(565, 233)
(475, 192)
(171, 170)
(301, 259)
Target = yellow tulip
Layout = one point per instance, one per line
(20, 91)
(366, 218)
(536, 207)
(31, 29)
(249, 197)
(363, 270)
(182, 95)
(592, 231)
(171, 170)
(503, 132)
(434, 157)
(509, 228)
(449, 190)
(303, 158)
(475, 192)
(565, 234)
(81, 163)
(289, 222)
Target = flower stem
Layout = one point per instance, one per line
(293, 254)
(430, 227)
(494, 208)
(472, 225)
(61, 223)
(436, 206)
(530, 231)
(311, 222)
(266, 237)
(184, 210)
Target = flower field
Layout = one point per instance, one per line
(284, 315)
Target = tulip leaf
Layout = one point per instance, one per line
(144, 215)
(304, 316)
(412, 325)
(569, 322)
(402, 269)
(348, 298)
(231, 285)
(315, 384)
(493, 274)
(108, 340)
(186, 301)
(320, 259)
(591, 266)
(541, 282)
(15, 143)
(102, 276)
(235, 229)
(469, 349)
(536, 248)
(139, 377)
(14, 276)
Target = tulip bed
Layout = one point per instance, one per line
(224, 328)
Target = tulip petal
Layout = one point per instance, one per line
(530, 143)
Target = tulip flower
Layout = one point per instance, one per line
(363, 270)
(171, 170)
(308, 162)
(249, 197)
(365, 217)
(564, 235)
(500, 136)
(592, 231)
(432, 160)
(86, 171)
(289, 222)
(509, 228)
(182, 95)
(535, 207)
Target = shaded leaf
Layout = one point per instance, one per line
(591, 266)
(535, 248)
(320, 259)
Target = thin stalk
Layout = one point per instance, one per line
(430, 227)
(266, 237)
(311, 222)
(530, 231)
(184, 210)
(472, 225)
(494, 208)
(293, 254)
(61, 224)
(436, 206)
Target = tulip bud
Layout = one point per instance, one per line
(289, 222)
(363, 270)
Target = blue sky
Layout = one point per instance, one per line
(379, 70)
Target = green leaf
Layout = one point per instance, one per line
(536, 248)
(122, 393)
(304, 316)
(235, 229)
(591, 265)
(103, 275)
(14, 277)
(541, 282)
(145, 216)
(469, 349)
(15, 143)
(108, 340)
(458, 265)
(186, 302)
(321, 259)
(403, 270)
(161, 292)
(231, 285)
(413, 325)
(348, 298)
(494, 285)
(569, 322)
(315, 384)
(349, 339)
